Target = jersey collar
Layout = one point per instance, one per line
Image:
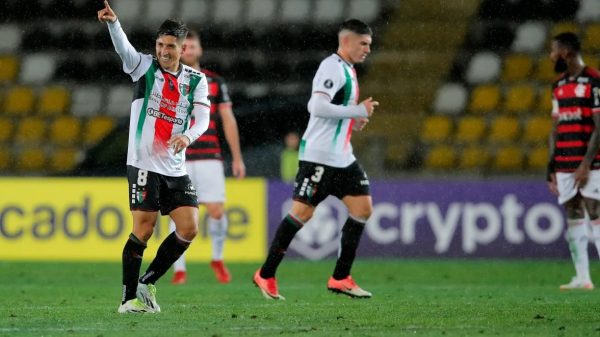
(342, 59)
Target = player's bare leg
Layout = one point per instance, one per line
(143, 227)
(578, 245)
(593, 208)
(217, 228)
(264, 278)
(359, 209)
(174, 245)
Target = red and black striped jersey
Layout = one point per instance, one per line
(574, 101)
(208, 145)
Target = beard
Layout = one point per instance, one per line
(560, 66)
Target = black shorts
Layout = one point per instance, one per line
(315, 182)
(150, 191)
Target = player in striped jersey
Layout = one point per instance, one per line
(204, 162)
(327, 165)
(166, 95)
(574, 167)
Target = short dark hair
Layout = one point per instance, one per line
(192, 34)
(356, 26)
(569, 40)
(173, 27)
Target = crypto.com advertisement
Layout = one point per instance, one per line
(437, 218)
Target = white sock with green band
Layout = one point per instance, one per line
(578, 244)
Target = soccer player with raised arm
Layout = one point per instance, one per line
(574, 166)
(327, 165)
(166, 95)
(204, 162)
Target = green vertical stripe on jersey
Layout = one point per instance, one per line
(149, 78)
(347, 94)
(302, 145)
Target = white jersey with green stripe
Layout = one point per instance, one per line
(327, 136)
(162, 107)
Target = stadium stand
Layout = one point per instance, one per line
(505, 70)
(464, 86)
(62, 89)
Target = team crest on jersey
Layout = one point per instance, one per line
(328, 84)
(184, 88)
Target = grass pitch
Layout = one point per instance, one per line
(414, 297)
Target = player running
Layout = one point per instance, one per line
(166, 95)
(204, 162)
(573, 173)
(327, 165)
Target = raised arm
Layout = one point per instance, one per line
(130, 57)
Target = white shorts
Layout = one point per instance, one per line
(208, 177)
(567, 190)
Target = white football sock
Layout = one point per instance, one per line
(596, 234)
(578, 244)
(179, 265)
(217, 228)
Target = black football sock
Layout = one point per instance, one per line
(351, 233)
(283, 237)
(132, 261)
(169, 251)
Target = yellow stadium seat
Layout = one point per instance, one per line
(544, 104)
(545, 70)
(517, 67)
(5, 159)
(65, 130)
(31, 131)
(97, 128)
(519, 98)
(537, 130)
(504, 130)
(53, 100)
(18, 101)
(538, 158)
(9, 67)
(440, 157)
(436, 129)
(6, 128)
(470, 129)
(64, 159)
(485, 98)
(591, 41)
(508, 158)
(563, 27)
(33, 159)
(473, 157)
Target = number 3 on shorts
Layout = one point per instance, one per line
(142, 177)
(318, 174)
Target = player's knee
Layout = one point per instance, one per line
(302, 212)
(188, 232)
(143, 233)
(575, 213)
(215, 211)
(363, 212)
